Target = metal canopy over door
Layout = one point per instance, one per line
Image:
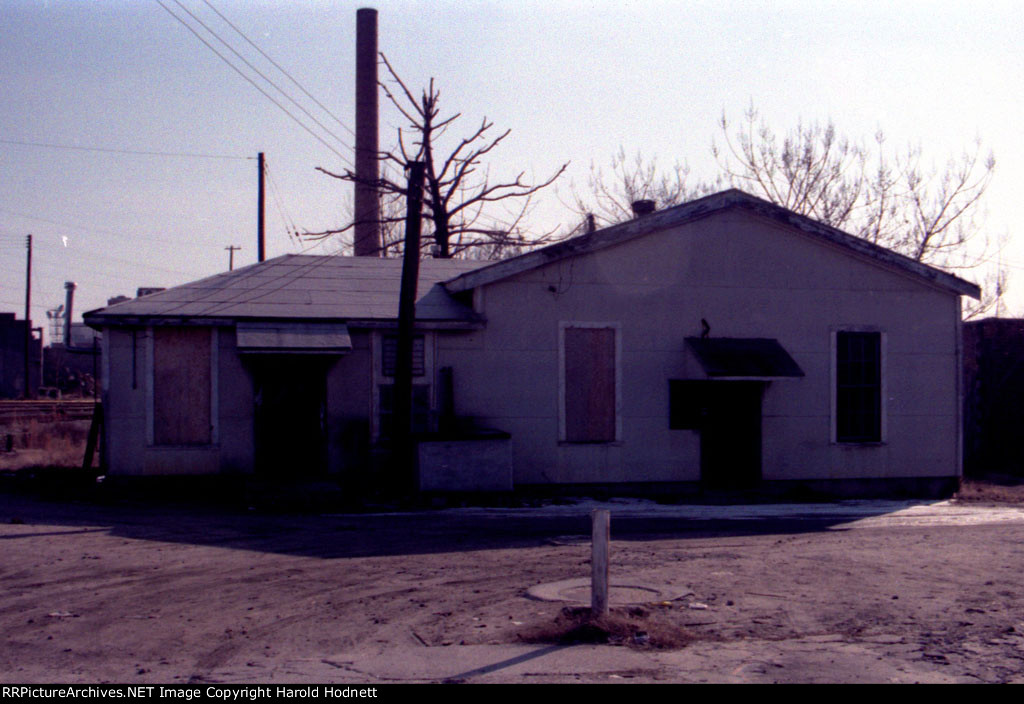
(726, 407)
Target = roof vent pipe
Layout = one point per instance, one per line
(643, 207)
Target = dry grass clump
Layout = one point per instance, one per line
(43, 444)
(993, 490)
(634, 626)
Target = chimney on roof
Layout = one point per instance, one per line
(366, 233)
(643, 207)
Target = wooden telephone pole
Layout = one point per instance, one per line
(405, 449)
(28, 314)
(231, 256)
(260, 251)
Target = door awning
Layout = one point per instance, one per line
(743, 357)
(293, 338)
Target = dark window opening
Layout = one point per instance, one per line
(858, 387)
(420, 409)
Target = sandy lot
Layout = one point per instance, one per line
(854, 592)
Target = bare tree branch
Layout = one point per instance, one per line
(884, 197)
(456, 195)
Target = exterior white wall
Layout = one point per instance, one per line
(748, 277)
(349, 388)
(128, 410)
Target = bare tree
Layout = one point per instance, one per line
(466, 211)
(889, 198)
(931, 215)
(610, 195)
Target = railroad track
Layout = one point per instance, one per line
(46, 410)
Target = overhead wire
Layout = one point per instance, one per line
(100, 230)
(263, 291)
(278, 198)
(241, 73)
(254, 294)
(111, 150)
(279, 68)
(261, 74)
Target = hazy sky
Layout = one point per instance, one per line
(574, 81)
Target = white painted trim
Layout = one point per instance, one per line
(214, 386)
(883, 344)
(478, 300)
(960, 391)
(105, 362)
(377, 376)
(148, 381)
(883, 352)
(147, 376)
(376, 344)
(617, 327)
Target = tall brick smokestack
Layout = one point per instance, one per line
(367, 199)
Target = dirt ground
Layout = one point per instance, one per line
(137, 592)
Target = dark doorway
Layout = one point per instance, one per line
(290, 415)
(728, 416)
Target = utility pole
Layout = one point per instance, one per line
(28, 313)
(260, 253)
(405, 450)
(231, 256)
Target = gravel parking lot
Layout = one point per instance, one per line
(846, 592)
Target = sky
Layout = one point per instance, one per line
(163, 177)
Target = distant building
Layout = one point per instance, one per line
(12, 357)
(74, 370)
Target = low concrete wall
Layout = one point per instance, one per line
(466, 465)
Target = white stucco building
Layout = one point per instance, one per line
(723, 343)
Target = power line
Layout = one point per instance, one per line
(161, 240)
(111, 150)
(280, 68)
(277, 196)
(259, 73)
(253, 83)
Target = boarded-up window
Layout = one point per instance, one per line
(181, 386)
(589, 384)
(858, 387)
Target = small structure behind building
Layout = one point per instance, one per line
(993, 389)
(12, 357)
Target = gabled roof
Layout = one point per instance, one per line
(301, 287)
(695, 210)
